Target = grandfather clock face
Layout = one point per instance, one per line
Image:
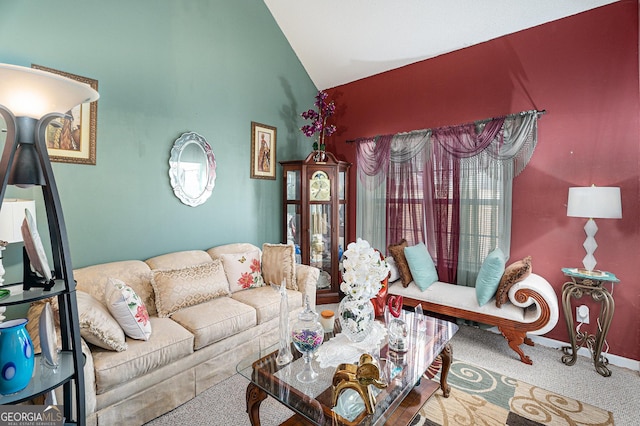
(319, 187)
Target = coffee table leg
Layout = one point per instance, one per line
(255, 396)
(447, 356)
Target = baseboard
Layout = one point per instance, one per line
(613, 359)
(617, 360)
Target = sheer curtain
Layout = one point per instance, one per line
(449, 213)
(486, 193)
(450, 187)
(373, 164)
(405, 188)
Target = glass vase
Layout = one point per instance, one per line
(16, 356)
(307, 335)
(356, 318)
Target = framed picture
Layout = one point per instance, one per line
(263, 151)
(73, 139)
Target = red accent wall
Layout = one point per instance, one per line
(584, 71)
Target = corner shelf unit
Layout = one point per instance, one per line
(69, 374)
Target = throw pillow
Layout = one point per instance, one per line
(128, 309)
(514, 273)
(397, 251)
(278, 264)
(489, 276)
(97, 326)
(180, 288)
(394, 274)
(421, 265)
(243, 270)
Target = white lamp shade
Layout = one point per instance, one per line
(595, 202)
(11, 217)
(29, 92)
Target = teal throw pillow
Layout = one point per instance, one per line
(421, 266)
(489, 276)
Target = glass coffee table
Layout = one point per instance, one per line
(396, 404)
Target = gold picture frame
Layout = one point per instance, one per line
(263, 151)
(74, 140)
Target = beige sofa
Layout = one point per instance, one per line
(189, 351)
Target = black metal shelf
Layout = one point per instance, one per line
(32, 295)
(44, 379)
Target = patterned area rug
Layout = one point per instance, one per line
(482, 397)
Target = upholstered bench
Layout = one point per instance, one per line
(511, 298)
(532, 307)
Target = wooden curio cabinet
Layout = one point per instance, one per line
(315, 197)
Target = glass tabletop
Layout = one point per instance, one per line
(426, 338)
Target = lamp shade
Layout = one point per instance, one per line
(12, 216)
(29, 92)
(595, 202)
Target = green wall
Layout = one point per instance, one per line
(164, 67)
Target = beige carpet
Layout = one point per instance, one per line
(482, 397)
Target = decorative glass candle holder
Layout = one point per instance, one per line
(307, 335)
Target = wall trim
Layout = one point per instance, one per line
(557, 344)
(613, 359)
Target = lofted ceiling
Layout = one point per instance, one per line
(340, 41)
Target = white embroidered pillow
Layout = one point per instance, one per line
(243, 270)
(128, 309)
(179, 288)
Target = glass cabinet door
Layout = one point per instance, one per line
(320, 237)
(293, 185)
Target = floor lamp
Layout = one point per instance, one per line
(30, 100)
(593, 202)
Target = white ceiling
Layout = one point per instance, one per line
(340, 41)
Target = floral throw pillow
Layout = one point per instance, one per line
(128, 309)
(243, 270)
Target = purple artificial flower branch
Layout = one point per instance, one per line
(319, 120)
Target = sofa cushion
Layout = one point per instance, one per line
(179, 288)
(243, 270)
(458, 296)
(513, 273)
(266, 301)
(489, 276)
(178, 259)
(127, 308)
(168, 343)
(397, 251)
(278, 264)
(421, 265)
(133, 272)
(216, 319)
(97, 326)
(218, 251)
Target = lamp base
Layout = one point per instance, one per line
(590, 245)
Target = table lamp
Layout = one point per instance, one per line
(593, 202)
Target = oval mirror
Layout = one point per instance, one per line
(192, 169)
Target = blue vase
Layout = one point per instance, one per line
(16, 356)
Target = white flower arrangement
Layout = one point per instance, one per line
(363, 270)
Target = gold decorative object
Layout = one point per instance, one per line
(358, 377)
